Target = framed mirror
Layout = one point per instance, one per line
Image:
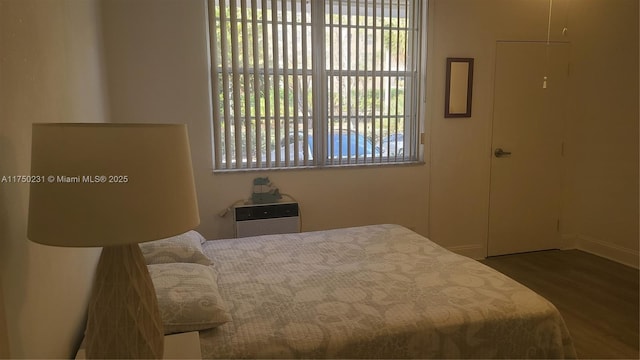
(457, 99)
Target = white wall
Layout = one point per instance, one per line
(461, 148)
(156, 59)
(50, 71)
(4, 334)
(601, 186)
(601, 201)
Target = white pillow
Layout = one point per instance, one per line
(188, 297)
(183, 248)
(198, 236)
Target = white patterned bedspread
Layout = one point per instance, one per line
(378, 291)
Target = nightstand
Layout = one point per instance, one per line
(176, 346)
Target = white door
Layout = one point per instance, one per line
(526, 154)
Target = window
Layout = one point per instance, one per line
(315, 83)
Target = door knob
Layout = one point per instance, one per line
(501, 153)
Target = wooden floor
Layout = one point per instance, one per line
(597, 298)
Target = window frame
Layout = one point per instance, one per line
(321, 148)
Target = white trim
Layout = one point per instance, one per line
(568, 241)
(601, 248)
(473, 251)
(609, 251)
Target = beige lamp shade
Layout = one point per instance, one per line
(110, 184)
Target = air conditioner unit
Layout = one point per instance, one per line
(265, 219)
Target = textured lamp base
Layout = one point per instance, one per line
(124, 320)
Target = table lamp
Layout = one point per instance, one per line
(113, 186)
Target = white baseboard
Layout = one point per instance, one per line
(473, 251)
(588, 244)
(601, 248)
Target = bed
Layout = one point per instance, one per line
(378, 291)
